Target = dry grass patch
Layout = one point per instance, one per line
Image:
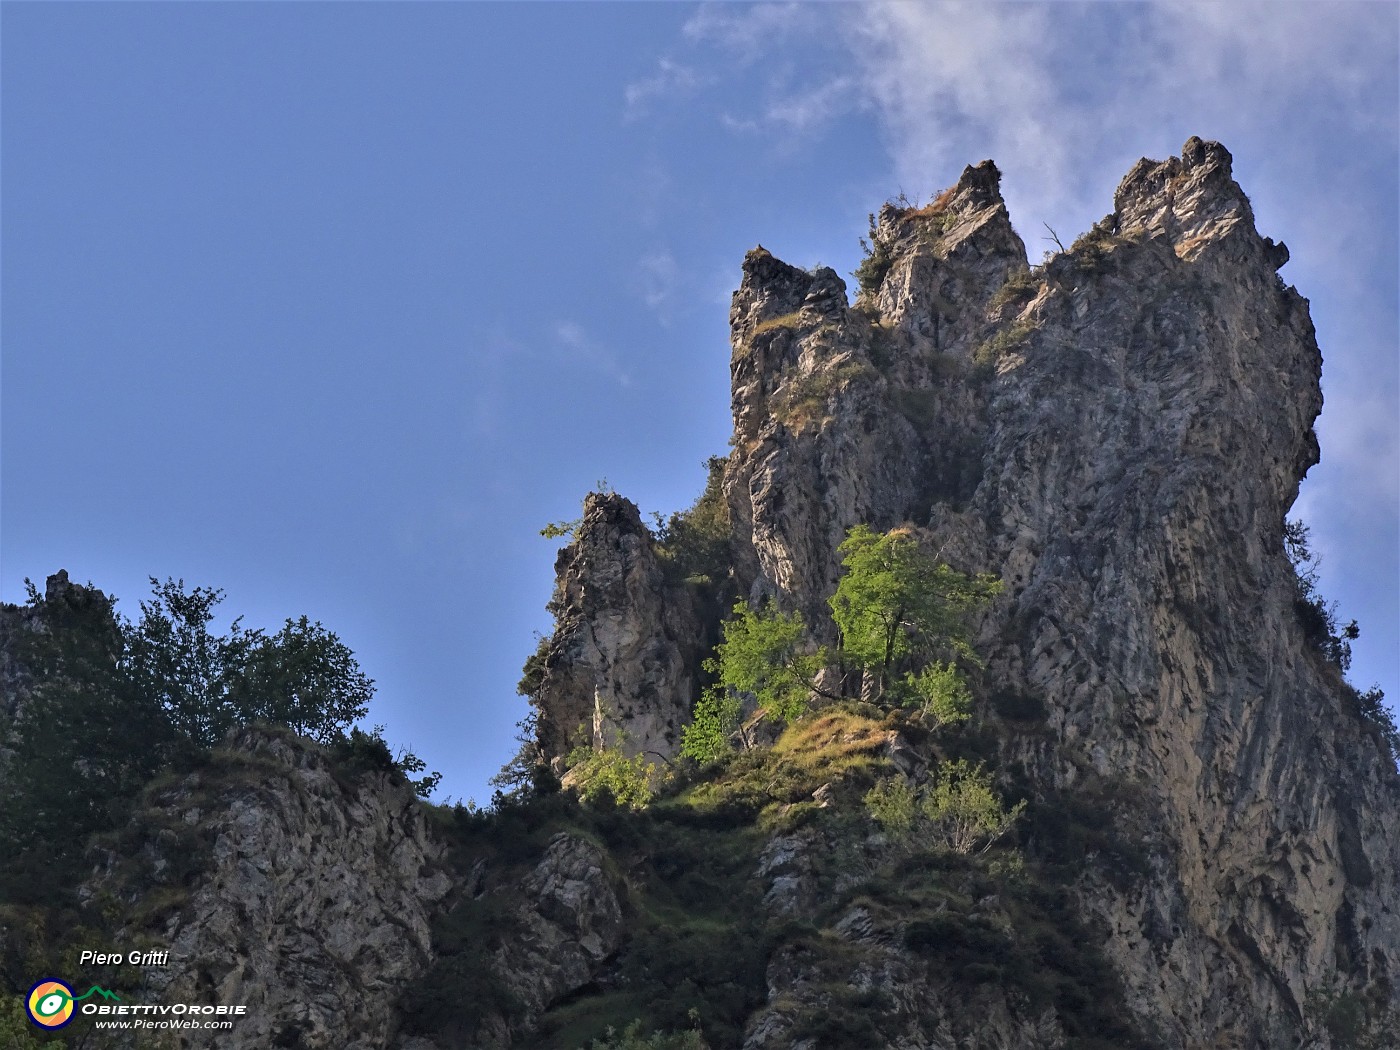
(833, 742)
(937, 206)
(791, 320)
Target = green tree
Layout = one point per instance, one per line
(768, 654)
(1316, 616)
(82, 741)
(716, 717)
(609, 773)
(940, 692)
(965, 809)
(960, 811)
(302, 677)
(173, 658)
(17, 1032)
(694, 543)
(895, 601)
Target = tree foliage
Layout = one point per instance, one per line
(694, 543)
(1317, 616)
(897, 608)
(302, 677)
(83, 739)
(941, 694)
(769, 655)
(609, 774)
(875, 262)
(959, 811)
(894, 601)
(110, 703)
(706, 738)
(1321, 629)
(965, 810)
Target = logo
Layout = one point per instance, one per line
(50, 1002)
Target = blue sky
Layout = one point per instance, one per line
(334, 305)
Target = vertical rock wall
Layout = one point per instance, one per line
(1118, 434)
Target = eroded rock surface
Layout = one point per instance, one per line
(313, 901)
(1117, 435)
(621, 668)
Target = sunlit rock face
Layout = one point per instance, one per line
(1118, 435)
(621, 666)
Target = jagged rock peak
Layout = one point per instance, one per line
(1193, 200)
(623, 649)
(772, 291)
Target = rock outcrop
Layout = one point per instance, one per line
(1118, 435)
(282, 887)
(1208, 856)
(621, 667)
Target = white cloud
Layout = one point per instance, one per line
(671, 81)
(657, 276)
(814, 106)
(582, 347)
(747, 31)
(1066, 97)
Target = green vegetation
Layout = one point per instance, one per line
(716, 716)
(897, 608)
(114, 704)
(805, 397)
(1321, 629)
(1091, 250)
(17, 1032)
(870, 274)
(960, 811)
(895, 601)
(1019, 286)
(946, 884)
(773, 786)
(631, 1038)
(693, 962)
(1354, 1019)
(941, 694)
(556, 530)
(608, 774)
(766, 653)
(302, 677)
(693, 544)
(1317, 617)
(988, 353)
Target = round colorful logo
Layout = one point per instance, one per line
(50, 1004)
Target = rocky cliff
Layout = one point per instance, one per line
(1117, 434)
(282, 881)
(1204, 854)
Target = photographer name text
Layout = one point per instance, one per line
(137, 958)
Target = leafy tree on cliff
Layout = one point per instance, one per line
(302, 677)
(894, 600)
(82, 742)
(112, 703)
(769, 654)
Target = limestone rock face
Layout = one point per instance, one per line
(1118, 434)
(1144, 444)
(626, 647)
(842, 415)
(313, 903)
(569, 920)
